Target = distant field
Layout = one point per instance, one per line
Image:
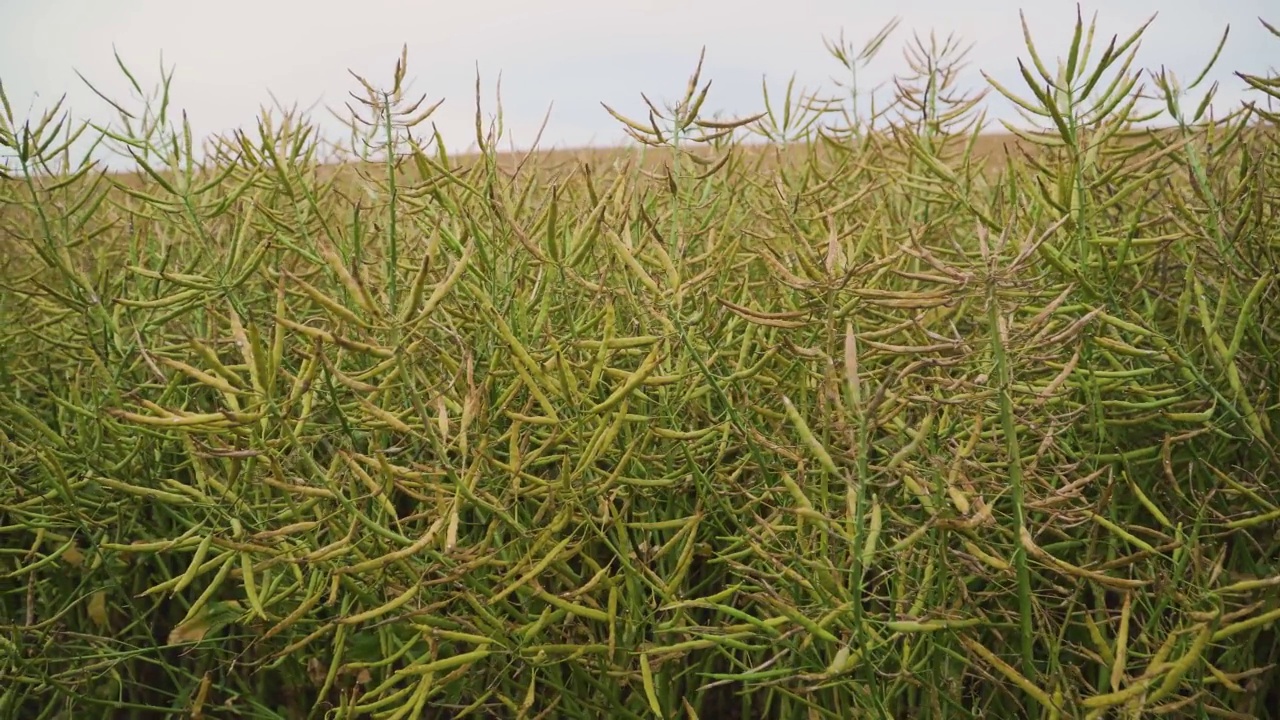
(991, 147)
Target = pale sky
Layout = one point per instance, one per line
(229, 55)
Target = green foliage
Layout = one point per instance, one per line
(866, 423)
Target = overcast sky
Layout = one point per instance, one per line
(229, 55)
